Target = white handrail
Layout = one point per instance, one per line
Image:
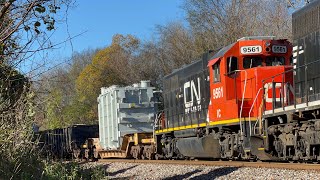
(156, 121)
(254, 101)
(244, 90)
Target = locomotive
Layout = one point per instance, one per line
(251, 100)
(214, 106)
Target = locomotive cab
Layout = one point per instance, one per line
(241, 73)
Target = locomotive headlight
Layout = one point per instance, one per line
(268, 44)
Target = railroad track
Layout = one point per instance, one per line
(272, 165)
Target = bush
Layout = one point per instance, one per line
(71, 171)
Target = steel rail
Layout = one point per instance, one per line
(270, 165)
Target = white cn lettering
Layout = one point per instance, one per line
(269, 86)
(185, 88)
(287, 88)
(194, 92)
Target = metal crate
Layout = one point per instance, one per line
(125, 110)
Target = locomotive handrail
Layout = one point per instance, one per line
(254, 101)
(156, 125)
(241, 107)
(294, 69)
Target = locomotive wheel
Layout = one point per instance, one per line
(143, 157)
(158, 157)
(76, 153)
(95, 153)
(86, 154)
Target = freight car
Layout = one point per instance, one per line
(70, 142)
(126, 120)
(292, 132)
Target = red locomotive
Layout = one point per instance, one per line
(212, 105)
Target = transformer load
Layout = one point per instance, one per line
(126, 118)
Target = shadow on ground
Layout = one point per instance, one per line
(121, 171)
(215, 173)
(183, 176)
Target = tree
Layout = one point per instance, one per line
(23, 30)
(58, 104)
(30, 20)
(111, 65)
(216, 24)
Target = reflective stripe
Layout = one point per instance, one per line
(229, 121)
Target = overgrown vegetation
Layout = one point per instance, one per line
(18, 146)
(72, 171)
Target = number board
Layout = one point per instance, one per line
(279, 49)
(251, 49)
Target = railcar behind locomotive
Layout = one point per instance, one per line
(293, 131)
(68, 142)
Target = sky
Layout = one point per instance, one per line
(93, 23)
(101, 19)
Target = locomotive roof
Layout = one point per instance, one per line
(306, 8)
(222, 51)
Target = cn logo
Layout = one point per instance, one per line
(278, 92)
(194, 92)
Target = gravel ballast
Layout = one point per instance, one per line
(123, 170)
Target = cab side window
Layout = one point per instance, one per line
(232, 64)
(216, 72)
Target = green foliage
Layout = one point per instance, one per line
(54, 110)
(12, 84)
(18, 159)
(72, 171)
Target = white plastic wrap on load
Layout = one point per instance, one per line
(125, 110)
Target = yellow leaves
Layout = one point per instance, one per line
(88, 82)
(127, 42)
(109, 66)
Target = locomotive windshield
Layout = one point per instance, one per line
(274, 61)
(251, 62)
